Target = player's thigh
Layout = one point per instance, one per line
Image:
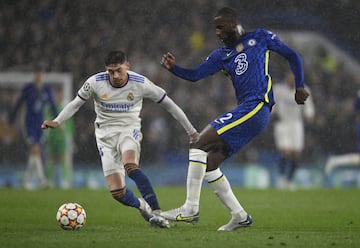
(110, 157)
(129, 147)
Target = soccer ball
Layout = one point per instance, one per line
(71, 216)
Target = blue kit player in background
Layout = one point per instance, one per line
(35, 95)
(244, 58)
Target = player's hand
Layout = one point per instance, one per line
(194, 137)
(52, 124)
(301, 95)
(168, 61)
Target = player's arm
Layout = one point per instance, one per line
(180, 116)
(210, 66)
(13, 113)
(68, 111)
(296, 65)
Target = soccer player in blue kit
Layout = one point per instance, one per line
(245, 59)
(35, 95)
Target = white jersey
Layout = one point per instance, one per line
(120, 106)
(287, 109)
(289, 128)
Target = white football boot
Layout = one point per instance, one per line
(181, 214)
(145, 210)
(236, 222)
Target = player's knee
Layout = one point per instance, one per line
(130, 167)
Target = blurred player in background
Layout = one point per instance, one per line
(35, 95)
(245, 59)
(350, 159)
(118, 95)
(59, 170)
(289, 133)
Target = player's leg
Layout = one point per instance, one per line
(115, 174)
(129, 147)
(35, 162)
(29, 172)
(143, 184)
(222, 188)
(294, 164)
(130, 158)
(38, 164)
(117, 187)
(283, 164)
(189, 211)
(282, 137)
(246, 122)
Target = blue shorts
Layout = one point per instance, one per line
(34, 134)
(240, 125)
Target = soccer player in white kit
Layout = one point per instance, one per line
(118, 95)
(289, 128)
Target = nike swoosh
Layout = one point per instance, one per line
(228, 54)
(187, 218)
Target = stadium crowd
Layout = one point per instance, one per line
(74, 36)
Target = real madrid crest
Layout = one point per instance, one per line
(130, 96)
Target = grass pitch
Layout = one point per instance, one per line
(304, 218)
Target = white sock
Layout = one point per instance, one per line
(221, 187)
(29, 171)
(196, 172)
(40, 170)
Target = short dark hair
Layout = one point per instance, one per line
(115, 57)
(227, 13)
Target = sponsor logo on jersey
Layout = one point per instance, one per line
(117, 107)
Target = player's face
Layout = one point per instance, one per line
(118, 74)
(226, 30)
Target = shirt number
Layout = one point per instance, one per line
(222, 120)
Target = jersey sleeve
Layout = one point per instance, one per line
(87, 89)
(294, 59)
(153, 92)
(210, 66)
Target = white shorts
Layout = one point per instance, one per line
(289, 136)
(112, 141)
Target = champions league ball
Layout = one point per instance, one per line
(71, 216)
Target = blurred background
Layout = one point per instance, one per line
(71, 38)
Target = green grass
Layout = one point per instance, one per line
(304, 218)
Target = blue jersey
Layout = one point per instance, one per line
(247, 63)
(35, 101)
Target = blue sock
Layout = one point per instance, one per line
(145, 188)
(126, 197)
